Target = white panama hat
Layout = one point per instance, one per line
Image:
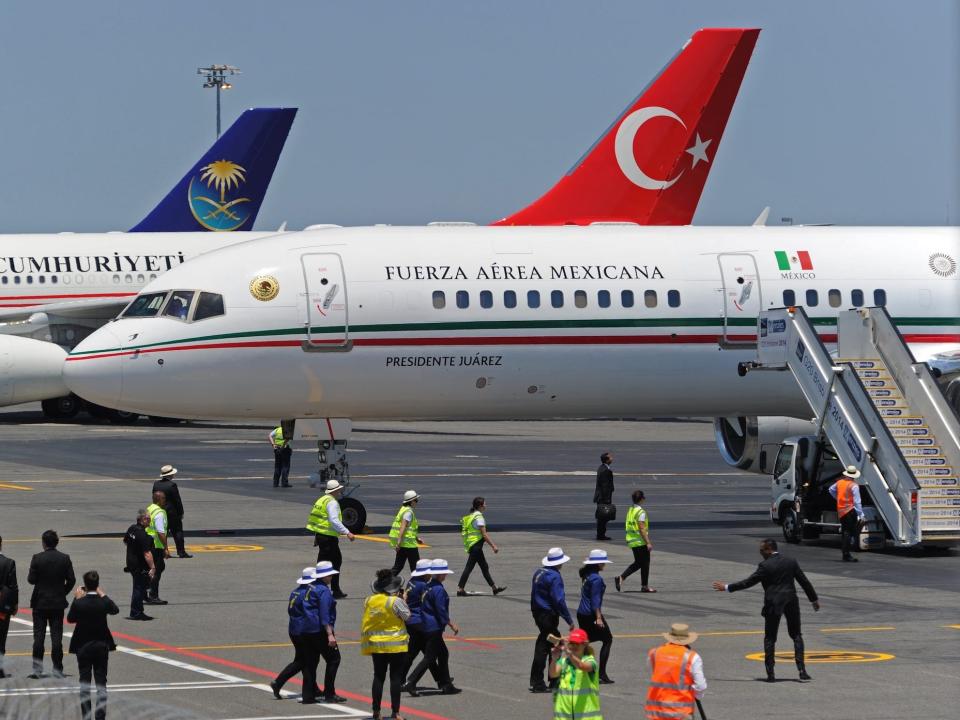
(440, 567)
(308, 575)
(332, 486)
(554, 557)
(423, 568)
(410, 496)
(324, 568)
(851, 472)
(168, 471)
(597, 557)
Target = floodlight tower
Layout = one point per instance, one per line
(215, 76)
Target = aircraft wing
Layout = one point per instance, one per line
(93, 309)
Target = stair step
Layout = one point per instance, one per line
(939, 492)
(873, 375)
(919, 462)
(913, 452)
(904, 421)
(865, 364)
(890, 402)
(935, 475)
(886, 392)
(893, 412)
(941, 513)
(879, 383)
(947, 502)
(906, 442)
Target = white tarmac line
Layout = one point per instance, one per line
(137, 687)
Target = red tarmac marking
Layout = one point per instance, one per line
(478, 643)
(262, 672)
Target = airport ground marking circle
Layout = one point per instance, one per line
(214, 548)
(814, 657)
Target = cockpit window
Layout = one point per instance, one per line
(179, 304)
(208, 305)
(145, 305)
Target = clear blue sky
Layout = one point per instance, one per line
(443, 109)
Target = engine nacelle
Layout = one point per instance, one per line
(30, 370)
(742, 439)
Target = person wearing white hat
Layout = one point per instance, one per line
(174, 508)
(404, 536)
(326, 522)
(676, 676)
(548, 603)
(846, 492)
(590, 611)
(435, 610)
(416, 589)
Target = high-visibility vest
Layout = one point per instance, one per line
(471, 534)
(278, 437)
(671, 693)
(634, 538)
(153, 509)
(844, 496)
(319, 522)
(381, 631)
(577, 696)
(409, 539)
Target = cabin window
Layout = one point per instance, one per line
(463, 299)
(145, 305)
(209, 305)
(880, 298)
(128, 278)
(856, 297)
(42, 279)
(140, 278)
(603, 298)
(813, 298)
(580, 298)
(53, 279)
(533, 298)
(834, 298)
(29, 279)
(439, 299)
(509, 299)
(486, 299)
(556, 298)
(673, 298)
(789, 298)
(179, 304)
(626, 298)
(66, 279)
(650, 298)
(116, 279)
(16, 279)
(5, 280)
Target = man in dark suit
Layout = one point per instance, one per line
(777, 574)
(92, 641)
(603, 494)
(174, 507)
(51, 574)
(9, 599)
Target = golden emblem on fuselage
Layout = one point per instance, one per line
(264, 287)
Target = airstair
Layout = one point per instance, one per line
(881, 410)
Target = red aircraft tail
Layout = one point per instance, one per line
(650, 166)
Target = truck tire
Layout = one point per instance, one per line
(61, 408)
(354, 515)
(790, 522)
(121, 417)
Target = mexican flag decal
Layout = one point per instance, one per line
(787, 261)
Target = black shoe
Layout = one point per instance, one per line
(35, 676)
(410, 688)
(285, 485)
(276, 484)
(334, 698)
(804, 675)
(3, 675)
(602, 537)
(462, 593)
(141, 616)
(850, 558)
(154, 601)
(185, 555)
(618, 583)
(499, 589)
(306, 701)
(604, 680)
(276, 689)
(450, 689)
(539, 689)
(339, 596)
(770, 678)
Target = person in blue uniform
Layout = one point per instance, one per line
(435, 611)
(590, 612)
(416, 588)
(548, 603)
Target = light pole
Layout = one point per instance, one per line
(215, 77)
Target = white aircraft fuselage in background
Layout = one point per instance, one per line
(365, 322)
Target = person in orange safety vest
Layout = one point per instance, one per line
(849, 510)
(676, 676)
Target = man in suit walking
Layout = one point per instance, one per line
(603, 494)
(92, 641)
(777, 574)
(174, 508)
(51, 574)
(9, 599)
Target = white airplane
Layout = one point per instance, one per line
(508, 323)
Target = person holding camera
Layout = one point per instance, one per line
(92, 642)
(139, 563)
(577, 674)
(603, 496)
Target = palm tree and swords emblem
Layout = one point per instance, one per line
(223, 214)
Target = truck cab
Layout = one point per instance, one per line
(804, 469)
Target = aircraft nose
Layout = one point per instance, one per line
(94, 370)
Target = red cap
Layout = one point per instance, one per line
(577, 636)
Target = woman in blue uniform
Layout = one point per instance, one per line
(590, 612)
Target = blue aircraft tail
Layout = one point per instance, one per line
(223, 191)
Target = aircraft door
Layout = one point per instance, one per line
(326, 303)
(741, 299)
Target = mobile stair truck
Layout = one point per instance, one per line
(873, 407)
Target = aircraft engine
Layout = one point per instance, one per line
(30, 370)
(741, 439)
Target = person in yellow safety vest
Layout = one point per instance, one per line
(676, 676)
(383, 636)
(637, 529)
(473, 528)
(326, 522)
(849, 510)
(404, 533)
(157, 530)
(574, 667)
(281, 457)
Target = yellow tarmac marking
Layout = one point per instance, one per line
(11, 486)
(955, 627)
(829, 656)
(373, 538)
(879, 628)
(224, 548)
